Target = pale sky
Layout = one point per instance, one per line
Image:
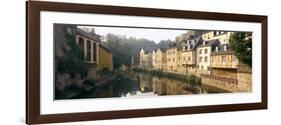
(151, 34)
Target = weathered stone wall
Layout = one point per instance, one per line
(227, 73)
(244, 77)
(245, 81)
(221, 84)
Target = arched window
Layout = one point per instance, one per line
(88, 56)
(81, 47)
(94, 51)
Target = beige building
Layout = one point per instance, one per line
(160, 59)
(203, 55)
(180, 67)
(91, 51)
(223, 57)
(145, 59)
(172, 57)
(222, 36)
(153, 59)
(188, 55)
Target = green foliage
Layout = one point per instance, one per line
(104, 72)
(120, 50)
(123, 47)
(89, 82)
(71, 62)
(74, 86)
(241, 44)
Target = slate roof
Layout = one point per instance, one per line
(163, 50)
(211, 43)
(104, 48)
(221, 50)
(88, 35)
(197, 41)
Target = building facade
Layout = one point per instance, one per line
(145, 59)
(222, 36)
(91, 51)
(172, 57)
(161, 59)
(203, 55)
(189, 54)
(153, 59)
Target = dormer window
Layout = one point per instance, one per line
(191, 42)
(188, 47)
(217, 32)
(225, 48)
(204, 43)
(217, 48)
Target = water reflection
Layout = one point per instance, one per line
(140, 84)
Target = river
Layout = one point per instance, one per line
(143, 84)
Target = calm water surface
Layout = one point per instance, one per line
(140, 84)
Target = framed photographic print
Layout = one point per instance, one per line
(93, 62)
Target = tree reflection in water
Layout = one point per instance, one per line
(141, 84)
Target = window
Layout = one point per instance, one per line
(88, 56)
(81, 43)
(200, 51)
(94, 51)
(173, 59)
(206, 59)
(202, 67)
(81, 47)
(217, 33)
(223, 58)
(200, 59)
(183, 58)
(206, 51)
(189, 58)
(233, 58)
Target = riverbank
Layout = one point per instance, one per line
(190, 79)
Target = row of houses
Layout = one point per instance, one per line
(195, 54)
(207, 55)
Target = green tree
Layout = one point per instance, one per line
(121, 52)
(71, 62)
(241, 44)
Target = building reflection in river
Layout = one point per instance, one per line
(141, 84)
